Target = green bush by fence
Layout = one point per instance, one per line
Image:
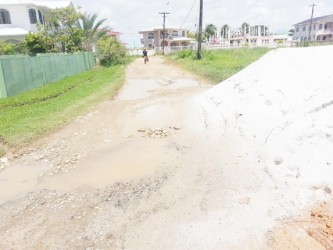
(23, 73)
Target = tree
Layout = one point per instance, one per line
(291, 32)
(110, 51)
(210, 31)
(61, 29)
(36, 43)
(92, 30)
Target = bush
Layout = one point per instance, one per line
(8, 49)
(185, 54)
(35, 43)
(111, 51)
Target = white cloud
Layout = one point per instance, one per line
(131, 16)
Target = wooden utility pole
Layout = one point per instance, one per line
(200, 31)
(164, 14)
(310, 27)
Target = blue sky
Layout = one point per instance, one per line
(131, 16)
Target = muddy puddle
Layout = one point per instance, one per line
(127, 162)
(130, 90)
(15, 180)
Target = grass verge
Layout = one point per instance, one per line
(218, 65)
(31, 115)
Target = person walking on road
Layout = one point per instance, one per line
(145, 56)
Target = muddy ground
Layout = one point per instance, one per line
(143, 171)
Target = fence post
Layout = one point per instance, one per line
(3, 89)
(42, 68)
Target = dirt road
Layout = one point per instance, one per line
(149, 169)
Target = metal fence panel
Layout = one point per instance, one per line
(3, 90)
(22, 73)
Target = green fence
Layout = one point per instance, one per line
(23, 73)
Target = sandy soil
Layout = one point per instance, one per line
(152, 169)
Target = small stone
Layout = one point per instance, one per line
(278, 161)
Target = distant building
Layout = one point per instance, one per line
(174, 37)
(321, 29)
(116, 35)
(19, 17)
(247, 35)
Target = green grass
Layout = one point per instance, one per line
(218, 65)
(31, 115)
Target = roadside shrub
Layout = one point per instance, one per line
(208, 54)
(185, 54)
(35, 43)
(8, 49)
(110, 51)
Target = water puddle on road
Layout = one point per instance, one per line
(130, 161)
(131, 91)
(126, 163)
(15, 180)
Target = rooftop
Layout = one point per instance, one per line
(44, 3)
(316, 19)
(13, 32)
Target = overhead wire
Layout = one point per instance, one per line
(188, 13)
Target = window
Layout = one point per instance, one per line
(320, 26)
(33, 16)
(183, 33)
(314, 27)
(4, 17)
(304, 28)
(166, 35)
(297, 29)
(150, 35)
(41, 18)
(325, 27)
(175, 33)
(309, 27)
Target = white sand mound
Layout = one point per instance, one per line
(280, 110)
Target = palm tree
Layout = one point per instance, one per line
(92, 30)
(210, 31)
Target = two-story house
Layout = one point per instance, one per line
(19, 17)
(320, 30)
(173, 37)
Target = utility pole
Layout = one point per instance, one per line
(164, 14)
(310, 27)
(200, 30)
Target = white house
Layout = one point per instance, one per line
(19, 17)
(321, 29)
(174, 37)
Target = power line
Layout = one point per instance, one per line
(188, 13)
